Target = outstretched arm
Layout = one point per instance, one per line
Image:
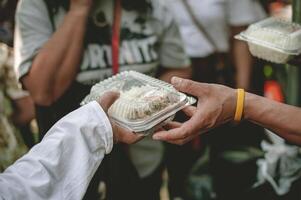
(217, 105)
(62, 165)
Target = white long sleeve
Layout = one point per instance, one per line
(63, 164)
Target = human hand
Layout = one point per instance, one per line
(120, 135)
(216, 106)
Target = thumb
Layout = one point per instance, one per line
(188, 86)
(107, 99)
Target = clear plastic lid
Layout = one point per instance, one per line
(144, 101)
(275, 34)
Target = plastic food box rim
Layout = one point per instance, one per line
(140, 76)
(136, 75)
(260, 25)
(244, 37)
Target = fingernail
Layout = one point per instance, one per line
(176, 81)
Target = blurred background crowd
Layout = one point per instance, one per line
(53, 51)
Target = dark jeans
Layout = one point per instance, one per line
(27, 135)
(204, 70)
(149, 187)
(122, 180)
(232, 180)
(179, 161)
(215, 68)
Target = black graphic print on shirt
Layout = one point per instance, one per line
(137, 47)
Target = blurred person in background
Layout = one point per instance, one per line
(16, 109)
(63, 47)
(7, 22)
(208, 28)
(265, 4)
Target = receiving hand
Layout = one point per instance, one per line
(216, 106)
(120, 135)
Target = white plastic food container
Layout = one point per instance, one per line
(273, 39)
(145, 103)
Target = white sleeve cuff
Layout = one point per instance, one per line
(103, 119)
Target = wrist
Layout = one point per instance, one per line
(77, 18)
(229, 104)
(240, 101)
(79, 12)
(250, 101)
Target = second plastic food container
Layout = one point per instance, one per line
(273, 39)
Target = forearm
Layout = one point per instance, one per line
(242, 59)
(56, 65)
(71, 63)
(167, 74)
(282, 119)
(243, 62)
(62, 165)
(24, 111)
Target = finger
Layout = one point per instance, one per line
(161, 129)
(173, 134)
(188, 86)
(108, 99)
(173, 125)
(182, 141)
(132, 138)
(128, 137)
(190, 111)
(186, 130)
(181, 131)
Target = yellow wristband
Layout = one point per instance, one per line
(239, 105)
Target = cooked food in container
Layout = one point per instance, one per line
(273, 39)
(145, 103)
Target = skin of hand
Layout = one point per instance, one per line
(242, 59)
(81, 5)
(216, 106)
(167, 73)
(120, 135)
